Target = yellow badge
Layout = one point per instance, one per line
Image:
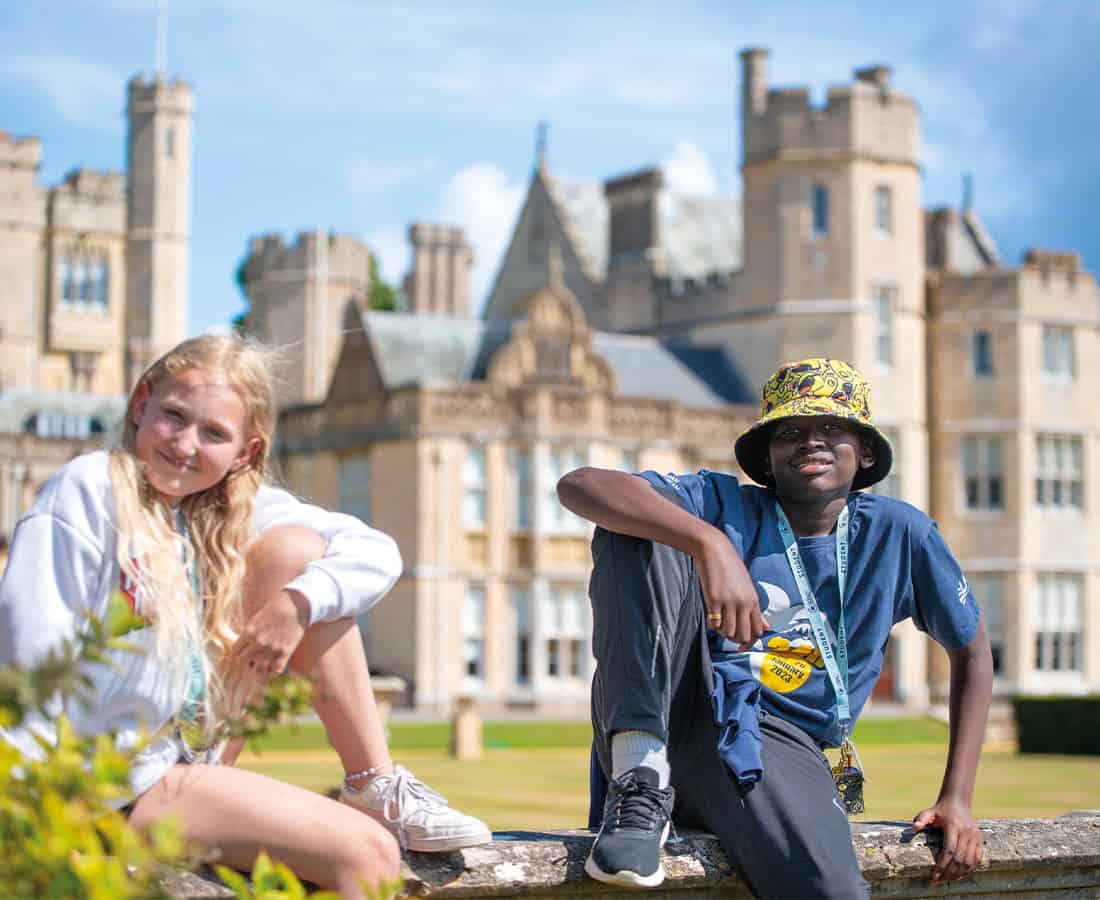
(783, 673)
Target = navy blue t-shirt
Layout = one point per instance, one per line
(899, 567)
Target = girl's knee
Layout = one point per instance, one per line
(286, 550)
(372, 854)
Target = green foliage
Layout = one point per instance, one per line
(57, 822)
(382, 296)
(274, 881)
(1058, 724)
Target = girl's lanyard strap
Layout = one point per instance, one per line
(836, 661)
(192, 705)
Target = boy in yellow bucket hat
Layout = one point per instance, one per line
(738, 630)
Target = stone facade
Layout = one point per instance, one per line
(93, 286)
(93, 271)
(978, 370)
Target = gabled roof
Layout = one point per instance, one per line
(427, 350)
(959, 242)
(698, 234)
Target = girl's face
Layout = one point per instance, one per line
(190, 432)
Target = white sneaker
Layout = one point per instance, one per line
(416, 815)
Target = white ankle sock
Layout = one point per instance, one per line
(639, 748)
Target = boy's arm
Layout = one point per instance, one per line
(971, 691)
(627, 504)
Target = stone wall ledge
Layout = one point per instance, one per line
(1049, 858)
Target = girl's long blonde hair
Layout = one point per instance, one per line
(219, 519)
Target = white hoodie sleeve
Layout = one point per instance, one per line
(359, 566)
(51, 582)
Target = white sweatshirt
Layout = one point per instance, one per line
(62, 568)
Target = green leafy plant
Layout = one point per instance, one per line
(61, 834)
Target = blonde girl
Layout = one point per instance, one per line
(234, 580)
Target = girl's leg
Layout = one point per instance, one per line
(331, 655)
(239, 813)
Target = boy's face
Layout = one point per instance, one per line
(814, 456)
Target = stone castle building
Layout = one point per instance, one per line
(93, 286)
(630, 327)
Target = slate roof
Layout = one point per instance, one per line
(962, 243)
(427, 350)
(699, 234)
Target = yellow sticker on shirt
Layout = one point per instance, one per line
(782, 673)
(788, 666)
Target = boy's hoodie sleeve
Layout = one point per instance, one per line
(359, 566)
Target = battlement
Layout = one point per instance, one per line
(422, 234)
(269, 254)
(1053, 261)
(159, 94)
(93, 183)
(19, 152)
(866, 118)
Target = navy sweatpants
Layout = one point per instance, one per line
(788, 834)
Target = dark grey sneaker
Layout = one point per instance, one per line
(636, 820)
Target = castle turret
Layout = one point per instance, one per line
(22, 216)
(298, 294)
(633, 249)
(158, 218)
(439, 283)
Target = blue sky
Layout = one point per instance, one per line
(365, 116)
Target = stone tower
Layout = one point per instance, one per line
(297, 295)
(834, 252)
(439, 283)
(21, 221)
(158, 218)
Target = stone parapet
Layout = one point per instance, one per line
(270, 257)
(19, 152)
(1024, 858)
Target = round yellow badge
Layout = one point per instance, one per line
(782, 673)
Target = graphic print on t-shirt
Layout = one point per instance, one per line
(131, 591)
(784, 657)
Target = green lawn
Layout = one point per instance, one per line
(534, 775)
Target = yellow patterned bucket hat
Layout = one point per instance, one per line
(814, 387)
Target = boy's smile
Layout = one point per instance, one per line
(812, 456)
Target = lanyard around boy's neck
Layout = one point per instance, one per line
(836, 663)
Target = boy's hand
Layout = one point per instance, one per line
(962, 839)
(729, 593)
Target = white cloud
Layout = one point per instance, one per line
(485, 203)
(84, 93)
(373, 176)
(480, 199)
(688, 170)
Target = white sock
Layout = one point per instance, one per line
(639, 748)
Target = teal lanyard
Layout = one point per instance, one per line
(836, 662)
(192, 704)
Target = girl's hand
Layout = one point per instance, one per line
(271, 636)
(733, 605)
